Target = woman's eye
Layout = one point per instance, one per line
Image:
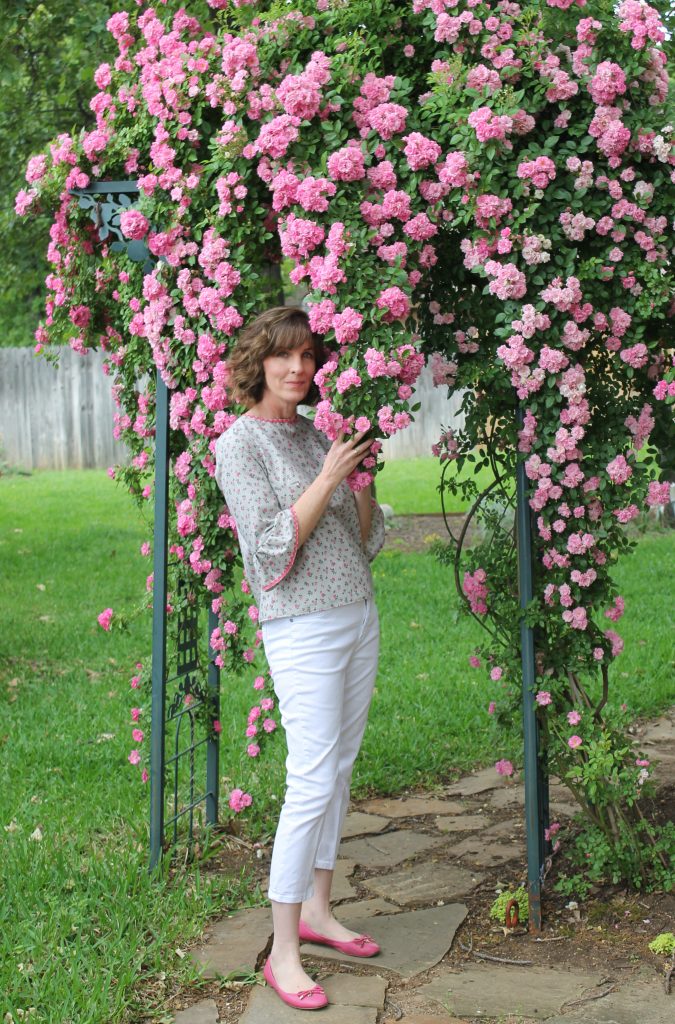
(309, 355)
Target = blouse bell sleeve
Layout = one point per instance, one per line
(375, 539)
(268, 533)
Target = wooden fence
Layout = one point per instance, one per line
(56, 418)
(62, 418)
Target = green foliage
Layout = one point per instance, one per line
(498, 908)
(634, 853)
(50, 52)
(663, 944)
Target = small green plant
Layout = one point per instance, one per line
(498, 908)
(663, 944)
(635, 856)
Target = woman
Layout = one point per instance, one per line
(306, 541)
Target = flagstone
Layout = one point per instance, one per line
(363, 909)
(235, 942)
(359, 824)
(353, 999)
(485, 852)
(561, 799)
(507, 798)
(426, 1018)
(412, 941)
(462, 823)
(204, 1012)
(493, 990)
(424, 883)
(478, 782)
(341, 888)
(641, 1000)
(413, 806)
(512, 828)
(388, 849)
(264, 1007)
(356, 990)
(660, 731)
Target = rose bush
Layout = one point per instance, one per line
(494, 194)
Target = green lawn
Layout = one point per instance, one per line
(410, 486)
(82, 924)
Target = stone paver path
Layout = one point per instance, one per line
(353, 1000)
(426, 882)
(640, 1001)
(386, 850)
(538, 995)
(235, 942)
(405, 866)
(205, 1012)
(411, 942)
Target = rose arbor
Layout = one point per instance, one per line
(488, 183)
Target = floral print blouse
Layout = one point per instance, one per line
(262, 468)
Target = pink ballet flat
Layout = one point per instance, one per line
(362, 945)
(311, 999)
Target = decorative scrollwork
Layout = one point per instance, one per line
(106, 208)
(188, 690)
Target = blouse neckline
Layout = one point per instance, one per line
(267, 419)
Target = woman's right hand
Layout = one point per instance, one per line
(343, 456)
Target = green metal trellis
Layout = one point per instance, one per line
(107, 200)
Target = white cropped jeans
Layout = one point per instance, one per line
(323, 667)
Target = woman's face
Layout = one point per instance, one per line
(289, 373)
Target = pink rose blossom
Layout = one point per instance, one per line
(659, 493)
(618, 470)
(347, 164)
(504, 767)
(387, 119)
(395, 303)
(105, 619)
(133, 224)
(238, 800)
(616, 642)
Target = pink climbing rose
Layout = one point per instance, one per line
(133, 224)
(238, 800)
(105, 619)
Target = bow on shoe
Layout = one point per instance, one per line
(361, 940)
(316, 991)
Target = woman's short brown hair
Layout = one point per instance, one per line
(283, 327)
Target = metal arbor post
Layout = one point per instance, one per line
(536, 783)
(107, 200)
